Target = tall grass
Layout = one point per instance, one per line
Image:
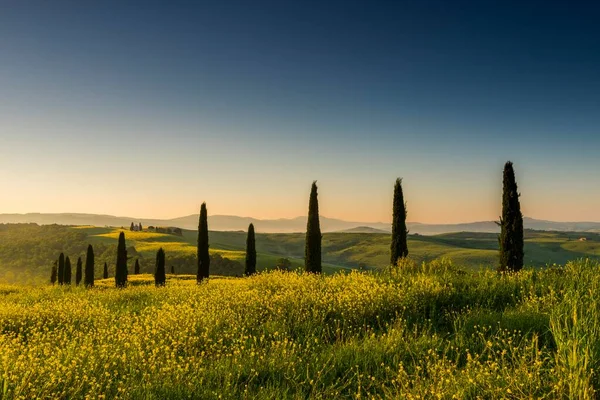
(415, 331)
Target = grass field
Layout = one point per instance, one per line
(415, 332)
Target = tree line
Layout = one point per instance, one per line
(511, 241)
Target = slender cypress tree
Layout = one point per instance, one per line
(173, 269)
(141, 228)
(67, 278)
(105, 274)
(61, 269)
(54, 273)
(79, 272)
(159, 271)
(203, 256)
(136, 269)
(89, 267)
(399, 247)
(511, 224)
(250, 252)
(312, 250)
(131, 227)
(121, 268)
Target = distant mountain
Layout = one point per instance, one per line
(364, 229)
(298, 224)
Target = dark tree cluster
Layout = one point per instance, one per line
(61, 270)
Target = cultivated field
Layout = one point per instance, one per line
(426, 331)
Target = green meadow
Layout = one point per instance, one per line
(414, 331)
(27, 251)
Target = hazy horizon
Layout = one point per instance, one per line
(136, 218)
(151, 109)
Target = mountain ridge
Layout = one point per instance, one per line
(285, 225)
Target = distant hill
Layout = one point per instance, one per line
(290, 225)
(27, 251)
(365, 229)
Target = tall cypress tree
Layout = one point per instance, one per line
(160, 276)
(79, 272)
(105, 273)
(89, 267)
(250, 252)
(203, 256)
(67, 278)
(511, 224)
(121, 268)
(54, 272)
(136, 269)
(61, 269)
(312, 250)
(172, 269)
(399, 247)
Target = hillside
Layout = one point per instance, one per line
(364, 229)
(27, 251)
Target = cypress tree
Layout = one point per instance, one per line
(250, 252)
(61, 269)
(121, 268)
(54, 272)
(312, 250)
(399, 247)
(67, 278)
(79, 272)
(136, 269)
(131, 227)
(511, 224)
(105, 274)
(173, 269)
(89, 267)
(159, 271)
(141, 229)
(203, 256)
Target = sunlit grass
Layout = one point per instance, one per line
(416, 331)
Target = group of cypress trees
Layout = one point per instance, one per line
(510, 240)
(61, 270)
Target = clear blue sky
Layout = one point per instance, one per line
(147, 109)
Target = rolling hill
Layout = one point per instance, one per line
(27, 251)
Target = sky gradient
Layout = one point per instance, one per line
(147, 109)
